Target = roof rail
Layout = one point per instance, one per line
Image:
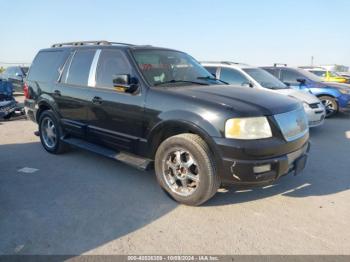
(84, 43)
(279, 64)
(220, 62)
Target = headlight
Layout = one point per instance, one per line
(248, 128)
(344, 91)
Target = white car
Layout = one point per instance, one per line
(254, 77)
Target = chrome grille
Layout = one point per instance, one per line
(293, 124)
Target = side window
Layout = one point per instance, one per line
(232, 76)
(290, 76)
(46, 66)
(111, 63)
(212, 70)
(79, 69)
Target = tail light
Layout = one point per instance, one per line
(26, 91)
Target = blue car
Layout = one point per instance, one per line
(334, 96)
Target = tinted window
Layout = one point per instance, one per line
(111, 63)
(232, 76)
(46, 66)
(290, 76)
(211, 69)
(80, 67)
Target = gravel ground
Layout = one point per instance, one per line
(81, 203)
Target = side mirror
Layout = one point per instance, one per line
(125, 83)
(301, 81)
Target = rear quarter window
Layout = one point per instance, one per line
(47, 65)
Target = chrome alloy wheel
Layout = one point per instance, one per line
(181, 172)
(49, 134)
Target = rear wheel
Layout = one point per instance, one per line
(330, 105)
(186, 170)
(50, 133)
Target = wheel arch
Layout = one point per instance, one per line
(171, 128)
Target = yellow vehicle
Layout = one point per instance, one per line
(327, 76)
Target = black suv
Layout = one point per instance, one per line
(140, 104)
(15, 75)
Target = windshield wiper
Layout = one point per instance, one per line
(180, 81)
(211, 78)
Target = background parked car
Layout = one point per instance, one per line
(249, 76)
(15, 75)
(334, 96)
(326, 75)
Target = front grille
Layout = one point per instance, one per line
(315, 105)
(293, 124)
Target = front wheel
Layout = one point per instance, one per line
(330, 105)
(185, 168)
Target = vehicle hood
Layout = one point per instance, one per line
(300, 95)
(242, 100)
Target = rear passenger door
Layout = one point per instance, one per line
(115, 117)
(72, 93)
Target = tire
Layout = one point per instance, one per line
(330, 104)
(186, 169)
(48, 119)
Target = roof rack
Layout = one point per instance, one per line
(84, 43)
(279, 64)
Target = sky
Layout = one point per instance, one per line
(250, 31)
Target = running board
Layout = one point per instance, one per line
(129, 159)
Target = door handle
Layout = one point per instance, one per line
(57, 93)
(97, 100)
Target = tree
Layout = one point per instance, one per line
(2, 69)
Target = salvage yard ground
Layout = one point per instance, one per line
(81, 203)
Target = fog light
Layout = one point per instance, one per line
(262, 169)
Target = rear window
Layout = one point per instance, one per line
(46, 66)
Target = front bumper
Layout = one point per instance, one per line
(315, 116)
(262, 163)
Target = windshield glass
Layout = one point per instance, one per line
(318, 73)
(169, 68)
(309, 75)
(264, 78)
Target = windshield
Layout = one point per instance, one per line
(319, 73)
(309, 75)
(264, 78)
(169, 68)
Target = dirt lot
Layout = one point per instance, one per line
(81, 203)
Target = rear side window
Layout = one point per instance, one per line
(79, 68)
(111, 63)
(46, 66)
